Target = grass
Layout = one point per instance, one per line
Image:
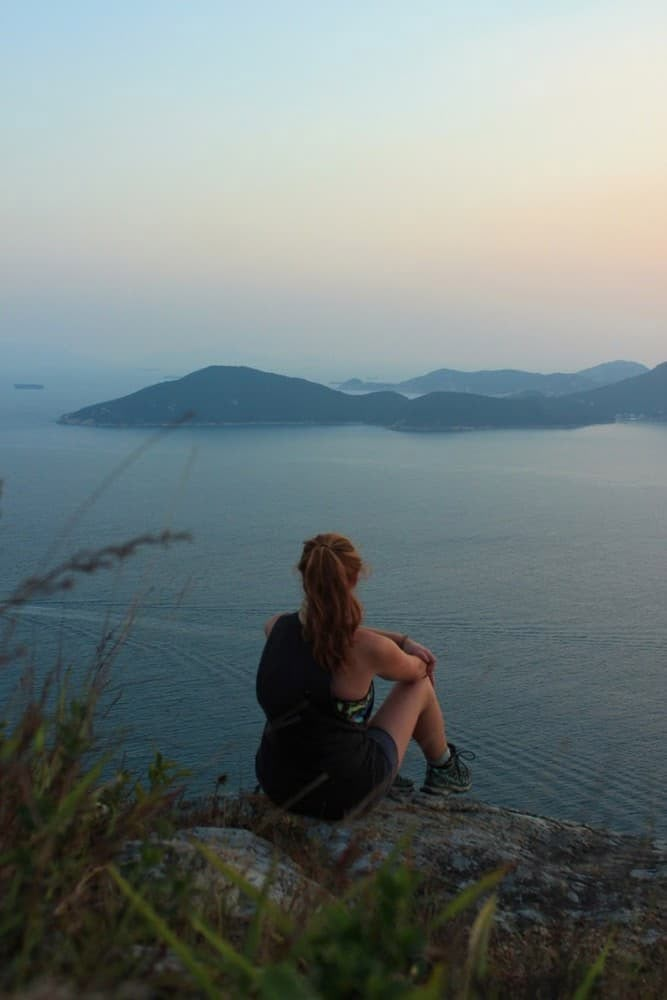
(91, 903)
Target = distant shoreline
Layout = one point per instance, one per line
(224, 396)
(416, 429)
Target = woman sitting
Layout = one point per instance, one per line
(323, 752)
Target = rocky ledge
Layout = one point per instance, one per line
(556, 873)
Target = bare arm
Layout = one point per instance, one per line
(408, 645)
(387, 660)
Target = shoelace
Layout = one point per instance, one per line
(460, 755)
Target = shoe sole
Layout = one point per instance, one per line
(444, 791)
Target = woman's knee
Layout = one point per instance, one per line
(421, 690)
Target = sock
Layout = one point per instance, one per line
(443, 759)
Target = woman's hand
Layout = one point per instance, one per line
(392, 665)
(413, 648)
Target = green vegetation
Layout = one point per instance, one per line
(90, 901)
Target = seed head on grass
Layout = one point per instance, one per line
(62, 577)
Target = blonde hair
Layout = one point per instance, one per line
(329, 567)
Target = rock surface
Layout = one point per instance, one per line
(558, 873)
(253, 858)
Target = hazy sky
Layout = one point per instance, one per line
(335, 189)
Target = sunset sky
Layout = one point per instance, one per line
(335, 189)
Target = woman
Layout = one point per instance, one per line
(323, 753)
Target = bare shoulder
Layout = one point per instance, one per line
(371, 644)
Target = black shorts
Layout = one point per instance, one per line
(339, 785)
(388, 744)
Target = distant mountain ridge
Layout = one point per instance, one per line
(222, 395)
(504, 382)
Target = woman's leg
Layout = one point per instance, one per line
(411, 709)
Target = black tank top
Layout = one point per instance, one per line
(311, 759)
(288, 676)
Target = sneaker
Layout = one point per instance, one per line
(453, 776)
(401, 787)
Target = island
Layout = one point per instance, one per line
(505, 382)
(221, 395)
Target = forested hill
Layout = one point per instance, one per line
(644, 396)
(504, 382)
(221, 395)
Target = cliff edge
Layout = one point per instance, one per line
(557, 873)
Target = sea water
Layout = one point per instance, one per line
(533, 563)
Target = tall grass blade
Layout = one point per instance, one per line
(434, 989)
(282, 920)
(478, 947)
(469, 896)
(185, 954)
(593, 973)
(233, 958)
(280, 982)
(67, 807)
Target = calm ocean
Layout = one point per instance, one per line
(533, 563)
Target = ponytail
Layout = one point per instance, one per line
(329, 567)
